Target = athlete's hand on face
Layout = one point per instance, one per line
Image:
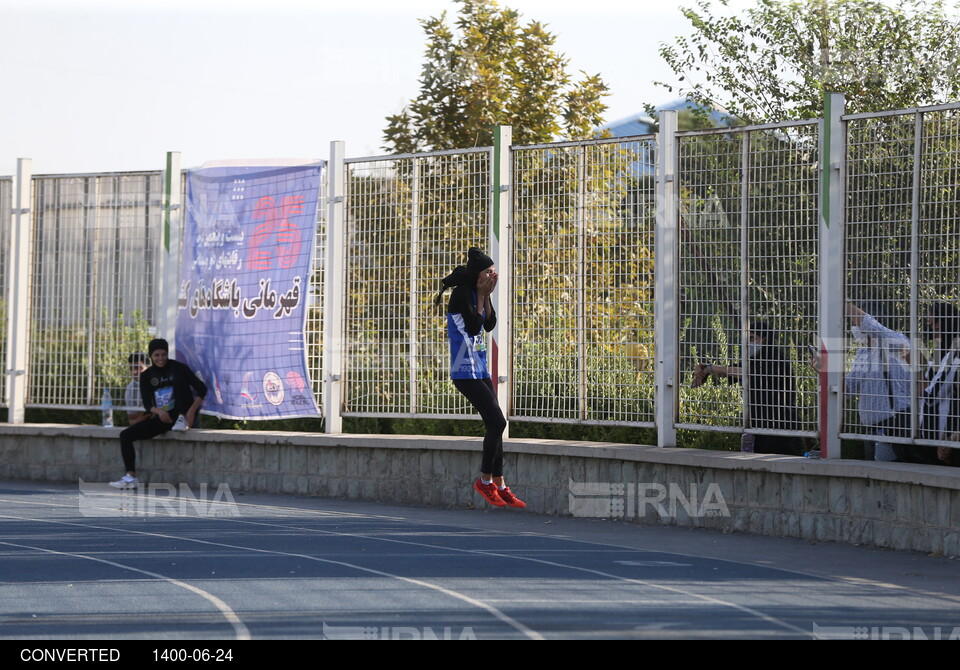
(487, 281)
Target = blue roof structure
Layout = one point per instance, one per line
(644, 124)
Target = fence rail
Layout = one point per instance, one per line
(582, 237)
(6, 205)
(748, 234)
(409, 221)
(902, 240)
(93, 285)
(583, 281)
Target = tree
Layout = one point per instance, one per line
(491, 70)
(777, 60)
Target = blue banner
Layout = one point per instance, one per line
(245, 285)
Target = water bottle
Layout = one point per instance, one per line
(106, 406)
(747, 442)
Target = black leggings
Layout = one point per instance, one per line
(481, 395)
(141, 431)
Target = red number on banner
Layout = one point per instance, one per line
(257, 257)
(288, 235)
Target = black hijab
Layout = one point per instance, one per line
(477, 262)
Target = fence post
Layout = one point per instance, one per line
(413, 357)
(581, 291)
(915, 212)
(665, 287)
(831, 321)
(501, 340)
(333, 289)
(171, 243)
(746, 315)
(18, 291)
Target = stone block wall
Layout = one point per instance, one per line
(878, 504)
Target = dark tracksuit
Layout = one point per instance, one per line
(170, 388)
(470, 373)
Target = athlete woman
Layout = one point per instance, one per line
(469, 313)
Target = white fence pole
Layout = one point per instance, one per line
(333, 287)
(665, 291)
(831, 321)
(915, 337)
(171, 241)
(413, 358)
(500, 251)
(18, 291)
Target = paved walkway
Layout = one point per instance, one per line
(100, 564)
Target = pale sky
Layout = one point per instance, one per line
(112, 85)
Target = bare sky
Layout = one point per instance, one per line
(112, 85)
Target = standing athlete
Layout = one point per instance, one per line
(469, 313)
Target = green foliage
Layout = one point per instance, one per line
(583, 264)
(72, 365)
(583, 283)
(295, 425)
(518, 429)
(392, 325)
(492, 70)
(879, 222)
(748, 240)
(115, 341)
(777, 59)
(698, 439)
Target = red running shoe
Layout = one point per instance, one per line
(506, 495)
(489, 491)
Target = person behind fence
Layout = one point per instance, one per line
(172, 395)
(772, 395)
(880, 378)
(470, 312)
(132, 397)
(940, 409)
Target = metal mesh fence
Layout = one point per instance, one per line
(94, 259)
(902, 240)
(748, 231)
(938, 266)
(315, 304)
(878, 245)
(6, 205)
(410, 221)
(583, 221)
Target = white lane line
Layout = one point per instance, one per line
(671, 589)
(528, 632)
(360, 515)
(239, 628)
(364, 536)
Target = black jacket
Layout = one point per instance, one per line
(170, 388)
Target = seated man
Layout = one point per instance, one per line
(167, 389)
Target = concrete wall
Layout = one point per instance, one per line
(879, 504)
